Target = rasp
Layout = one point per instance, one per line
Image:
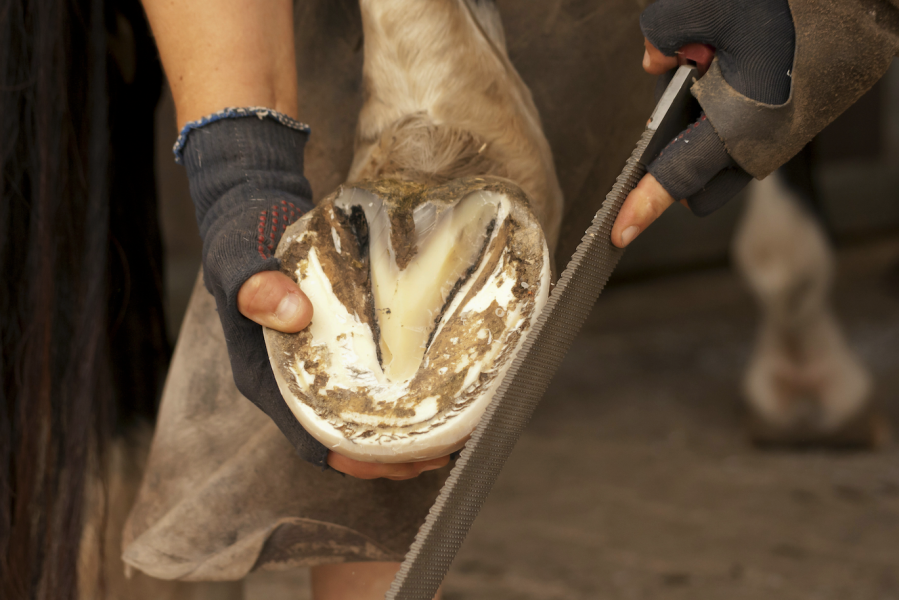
(580, 284)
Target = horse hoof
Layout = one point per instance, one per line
(422, 296)
(867, 429)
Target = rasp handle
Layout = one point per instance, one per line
(571, 301)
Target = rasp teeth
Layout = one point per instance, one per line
(472, 478)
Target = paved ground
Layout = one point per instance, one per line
(635, 480)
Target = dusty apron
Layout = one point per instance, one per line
(223, 492)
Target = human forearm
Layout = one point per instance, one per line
(220, 53)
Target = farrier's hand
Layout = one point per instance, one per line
(394, 471)
(754, 42)
(245, 168)
(246, 179)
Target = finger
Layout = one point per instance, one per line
(404, 476)
(721, 188)
(669, 25)
(394, 471)
(643, 205)
(369, 470)
(700, 55)
(364, 470)
(692, 159)
(654, 62)
(274, 300)
(430, 465)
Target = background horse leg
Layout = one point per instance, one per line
(804, 384)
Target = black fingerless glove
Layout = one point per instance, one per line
(245, 168)
(754, 42)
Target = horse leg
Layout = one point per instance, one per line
(442, 98)
(803, 384)
(442, 101)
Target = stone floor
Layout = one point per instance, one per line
(635, 479)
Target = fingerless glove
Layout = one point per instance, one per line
(245, 168)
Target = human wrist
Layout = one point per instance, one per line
(240, 154)
(213, 96)
(245, 169)
(235, 53)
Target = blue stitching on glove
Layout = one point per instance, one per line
(234, 113)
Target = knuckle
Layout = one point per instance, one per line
(658, 205)
(260, 293)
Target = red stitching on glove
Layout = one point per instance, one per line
(289, 214)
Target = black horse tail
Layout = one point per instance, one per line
(63, 256)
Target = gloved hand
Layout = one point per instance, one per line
(754, 41)
(245, 168)
(831, 51)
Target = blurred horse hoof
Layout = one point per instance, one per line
(868, 429)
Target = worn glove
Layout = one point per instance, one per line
(754, 41)
(245, 168)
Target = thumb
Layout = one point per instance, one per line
(643, 205)
(274, 300)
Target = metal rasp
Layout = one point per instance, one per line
(580, 284)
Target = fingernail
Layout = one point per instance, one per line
(646, 60)
(287, 308)
(628, 235)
